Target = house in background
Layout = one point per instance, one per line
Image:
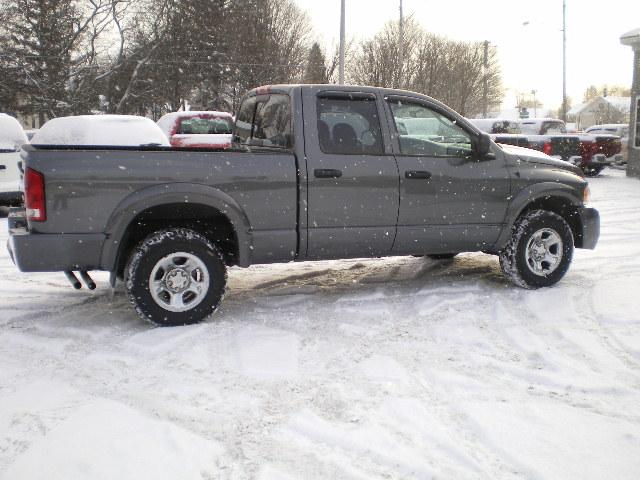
(27, 118)
(600, 110)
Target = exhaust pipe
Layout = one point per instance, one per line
(75, 283)
(88, 281)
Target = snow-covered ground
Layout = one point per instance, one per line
(363, 369)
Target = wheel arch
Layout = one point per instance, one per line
(172, 205)
(554, 197)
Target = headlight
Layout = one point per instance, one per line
(586, 196)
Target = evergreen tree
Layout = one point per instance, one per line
(41, 55)
(316, 71)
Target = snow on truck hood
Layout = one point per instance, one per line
(100, 130)
(536, 156)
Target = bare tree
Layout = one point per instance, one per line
(447, 70)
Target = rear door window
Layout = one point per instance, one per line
(349, 126)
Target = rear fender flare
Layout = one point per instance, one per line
(163, 194)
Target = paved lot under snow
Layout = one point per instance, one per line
(391, 368)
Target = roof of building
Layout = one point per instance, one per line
(621, 103)
(576, 109)
(631, 38)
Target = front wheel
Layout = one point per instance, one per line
(540, 250)
(175, 277)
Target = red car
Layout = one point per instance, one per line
(198, 129)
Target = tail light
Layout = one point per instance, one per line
(546, 148)
(34, 200)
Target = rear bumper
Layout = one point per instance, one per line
(10, 198)
(590, 220)
(601, 159)
(40, 252)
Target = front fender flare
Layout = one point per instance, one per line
(527, 196)
(163, 194)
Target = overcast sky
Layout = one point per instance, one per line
(530, 56)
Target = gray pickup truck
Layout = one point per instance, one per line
(316, 172)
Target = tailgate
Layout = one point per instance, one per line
(608, 145)
(565, 147)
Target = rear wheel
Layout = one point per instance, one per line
(540, 250)
(175, 277)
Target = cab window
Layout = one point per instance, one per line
(423, 131)
(349, 126)
(264, 121)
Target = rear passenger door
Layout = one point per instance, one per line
(353, 181)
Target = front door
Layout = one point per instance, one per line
(353, 182)
(450, 200)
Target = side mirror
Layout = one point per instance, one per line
(484, 146)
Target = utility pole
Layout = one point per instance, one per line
(564, 60)
(535, 103)
(400, 47)
(341, 65)
(484, 79)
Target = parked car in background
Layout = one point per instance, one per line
(503, 131)
(198, 129)
(101, 130)
(619, 130)
(599, 151)
(542, 126)
(12, 137)
(592, 153)
(497, 125)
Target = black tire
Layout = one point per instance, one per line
(441, 256)
(593, 171)
(165, 247)
(518, 262)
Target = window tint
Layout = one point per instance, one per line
(349, 126)
(265, 122)
(423, 131)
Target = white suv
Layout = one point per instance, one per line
(12, 137)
